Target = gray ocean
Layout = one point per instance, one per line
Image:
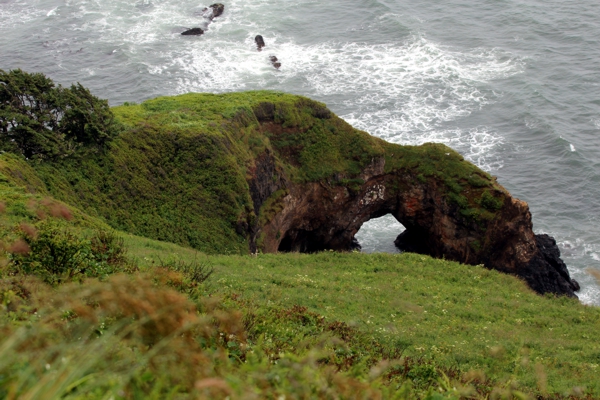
(512, 85)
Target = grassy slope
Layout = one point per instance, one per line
(445, 315)
(459, 316)
(25, 199)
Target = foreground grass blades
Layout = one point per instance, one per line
(327, 325)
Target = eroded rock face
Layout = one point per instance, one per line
(315, 216)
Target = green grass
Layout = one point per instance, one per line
(326, 325)
(441, 325)
(458, 316)
(464, 317)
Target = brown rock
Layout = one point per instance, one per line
(213, 11)
(275, 62)
(314, 216)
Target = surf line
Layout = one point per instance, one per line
(215, 10)
(208, 13)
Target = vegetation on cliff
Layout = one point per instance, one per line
(87, 311)
(179, 171)
(42, 120)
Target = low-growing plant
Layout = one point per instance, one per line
(57, 255)
(194, 273)
(107, 247)
(490, 202)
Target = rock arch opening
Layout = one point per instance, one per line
(377, 235)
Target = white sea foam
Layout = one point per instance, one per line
(377, 235)
(18, 13)
(404, 91)
(401, 92)
(577, 251)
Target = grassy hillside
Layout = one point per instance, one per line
(451, 317)
(91, 312)
(327, 325)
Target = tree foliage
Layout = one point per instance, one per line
(42, 120)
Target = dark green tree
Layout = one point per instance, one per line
(42, 120)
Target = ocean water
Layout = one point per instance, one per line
(512, 85)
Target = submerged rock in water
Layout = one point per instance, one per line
(260, 42)
(213, 11)
(208, 13)
(193, 31)
(275, 62)
(218, 9)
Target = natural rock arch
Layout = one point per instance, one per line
(470, 219)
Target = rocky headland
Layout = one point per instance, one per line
(271, 172)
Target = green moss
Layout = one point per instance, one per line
(489, 202)
(460, 200)
(272, 206)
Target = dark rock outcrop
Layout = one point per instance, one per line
(213, 11)
(207, 14)
(539, 276)
(260, 42)
(275, 62)
(193, 31)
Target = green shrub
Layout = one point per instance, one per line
(193, 273)
(41, 120)
(57, 255)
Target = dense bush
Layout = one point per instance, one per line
(43, 120)
(56, 255)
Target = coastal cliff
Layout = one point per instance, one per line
(272, 172)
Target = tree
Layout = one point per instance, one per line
(42, 120)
